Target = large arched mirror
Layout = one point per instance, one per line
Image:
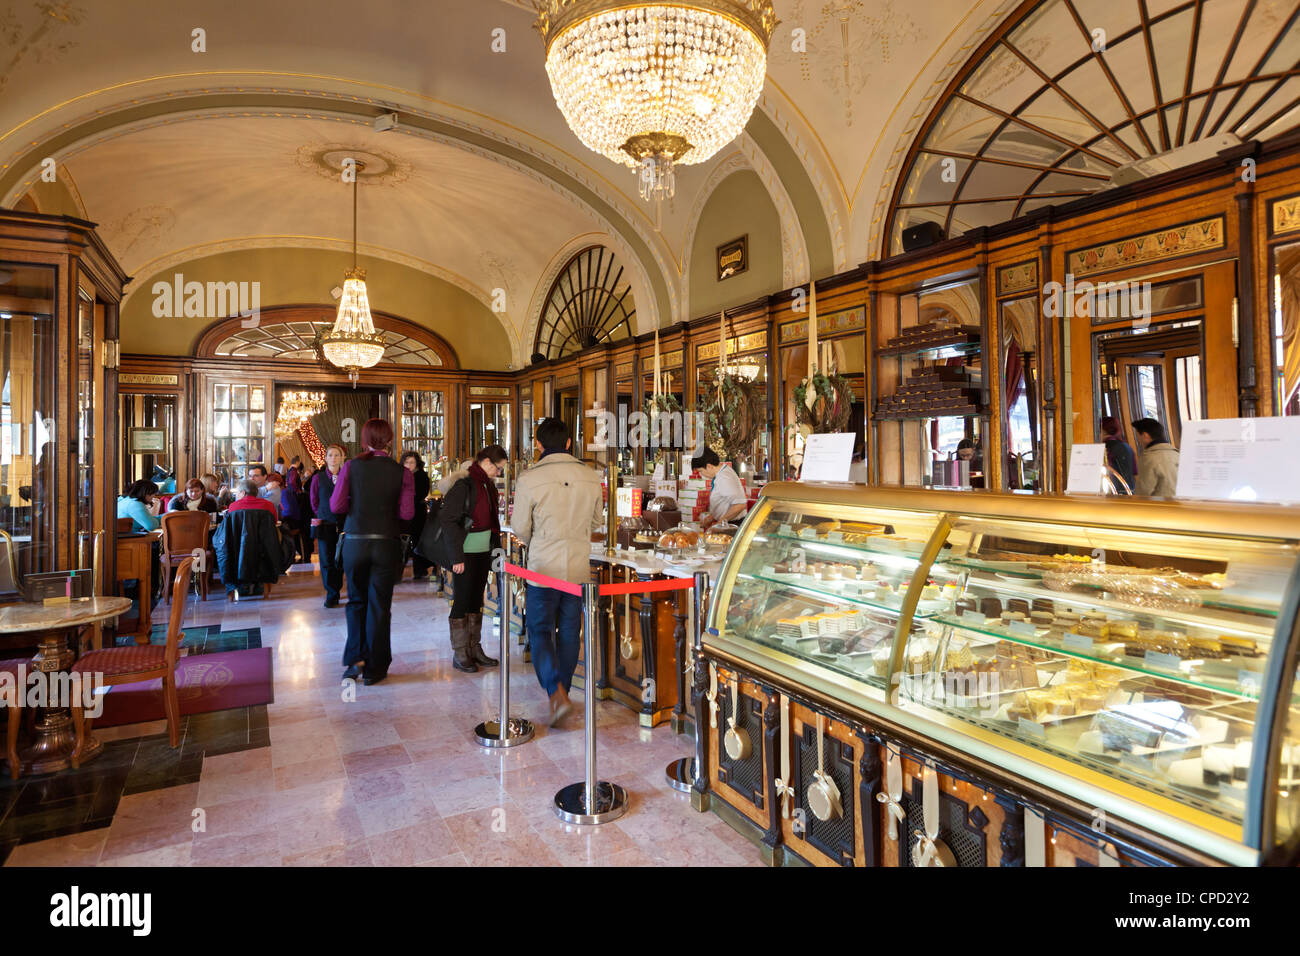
(1286, 330)
(1018, 351)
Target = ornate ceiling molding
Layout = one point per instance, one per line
(631, 216)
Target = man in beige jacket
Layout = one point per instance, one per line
(1157, 475)
(557, 506)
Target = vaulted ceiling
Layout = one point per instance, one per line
(181, 155)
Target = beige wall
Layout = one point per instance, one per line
(305, 276)
(740, 205)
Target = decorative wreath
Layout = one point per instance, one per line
(829, 407)
(733, 415)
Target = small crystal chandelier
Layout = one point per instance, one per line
(655, 85)
(300, 406)
(353, 343)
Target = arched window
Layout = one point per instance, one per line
(289, 333)
(1060, 98)
(589, 302)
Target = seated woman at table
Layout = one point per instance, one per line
(195, 497)
(138, 503)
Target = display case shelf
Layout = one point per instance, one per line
(809, 590)
(1246, 689)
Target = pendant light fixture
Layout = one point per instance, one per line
(655, 85)
(353, 343)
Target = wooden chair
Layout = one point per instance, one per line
(183, 533)
(129, 665)
(17, 668)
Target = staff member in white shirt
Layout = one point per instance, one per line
(727, 499)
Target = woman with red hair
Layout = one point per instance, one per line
(377, 495)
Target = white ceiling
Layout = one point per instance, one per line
(843, 113)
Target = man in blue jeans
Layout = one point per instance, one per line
(557, 505)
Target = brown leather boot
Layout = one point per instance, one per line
(461, 660)
(474, 623)
(560, 706)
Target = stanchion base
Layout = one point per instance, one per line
(681, 774)
(571, 803)
(518, 731)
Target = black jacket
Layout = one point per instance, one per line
(248, 548)
(456, 505)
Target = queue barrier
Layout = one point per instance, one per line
(590, 800)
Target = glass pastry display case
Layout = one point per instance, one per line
(1135, 657)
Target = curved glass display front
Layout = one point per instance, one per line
(1113, 641)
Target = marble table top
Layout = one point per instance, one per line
(20, 618)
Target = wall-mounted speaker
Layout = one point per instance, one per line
(922, 235)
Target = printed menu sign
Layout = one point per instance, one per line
(827, 457)
(1087, 470)
(1240, 459)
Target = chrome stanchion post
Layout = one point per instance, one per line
(591, 800)
(681, 772)
(505, 731)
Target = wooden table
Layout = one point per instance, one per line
(135, 563)
(55, 735)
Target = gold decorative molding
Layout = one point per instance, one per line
(490, 390)
(836, 323)
(1170, 243)
(1020, 277)
(1286, 215)
(136, 378)
(745, 343)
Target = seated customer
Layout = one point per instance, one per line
(195, 497)
(247, 543)
(138, 504)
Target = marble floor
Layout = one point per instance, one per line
(394, 777)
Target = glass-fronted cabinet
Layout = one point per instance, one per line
(1129, 654)
(422, 428)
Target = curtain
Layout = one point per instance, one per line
(340, 408)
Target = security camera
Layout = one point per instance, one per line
(386, 122)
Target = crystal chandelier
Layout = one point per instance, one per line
(653, 85)
(353, 343)
(300, 406)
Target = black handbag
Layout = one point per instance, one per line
(433, 545)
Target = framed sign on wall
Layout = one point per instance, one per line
(733, 257)
(148, 441)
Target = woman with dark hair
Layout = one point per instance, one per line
(413, 463)
(325, 524)
(469, 521)
(195, 497)
(377, 495)
(138, 504)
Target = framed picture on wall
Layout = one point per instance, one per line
(148, 441)
(733, 257)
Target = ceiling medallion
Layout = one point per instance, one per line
(655, 85)
(374, 167)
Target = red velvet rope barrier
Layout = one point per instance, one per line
(645, 587)
(630, 587)
(544, 581)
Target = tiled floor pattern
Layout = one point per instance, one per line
(393, 776)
